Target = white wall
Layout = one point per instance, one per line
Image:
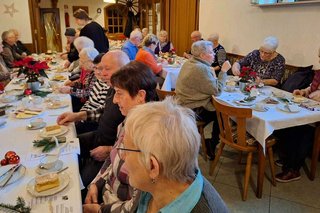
(92, 4)
(243, 27)
(20, 19)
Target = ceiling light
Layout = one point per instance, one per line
(109, 1)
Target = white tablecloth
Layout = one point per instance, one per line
(262, 124)
(170, 78)
(15, 136)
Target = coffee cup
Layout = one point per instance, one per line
(230, 88)
(36, 122)
(49, 161)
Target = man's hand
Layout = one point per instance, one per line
(65, 89)
(91, 208)
(92, 195)
(67, 117)
(100, 153)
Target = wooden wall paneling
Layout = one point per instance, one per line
(35, 26)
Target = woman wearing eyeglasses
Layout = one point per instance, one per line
(267, 62)
(161, 148)
(134, 84)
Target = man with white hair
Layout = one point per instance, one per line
(95, 146)
(220, 53)
(268, 64)
(131, 46)
(196, 84)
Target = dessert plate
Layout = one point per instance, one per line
(64, 180)
(245, 103)
(44, 134)
(264, 109)
(289, 108)
(57, 105)
(34, 127)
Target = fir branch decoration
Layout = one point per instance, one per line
(47, 143)
(19, 207)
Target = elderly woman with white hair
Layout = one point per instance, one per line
(196, 84)
(9, 50)
(161, 147)
(268, 63)
(80, 89)
(164, 45)
(220, 53)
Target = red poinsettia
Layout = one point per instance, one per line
(247, 74)
(31, 68)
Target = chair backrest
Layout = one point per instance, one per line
(162, 94)
(224, 114)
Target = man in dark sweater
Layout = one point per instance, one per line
(95, 146)
(92, 30)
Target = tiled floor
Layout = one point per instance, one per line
(298, 196)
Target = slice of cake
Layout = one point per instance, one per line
(46, 182)
(54, 129)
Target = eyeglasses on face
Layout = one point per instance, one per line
(261, 51)
(121, 151)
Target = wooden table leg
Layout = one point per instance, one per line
(261, 168)
(315, 152)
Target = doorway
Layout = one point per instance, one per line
(50, 34)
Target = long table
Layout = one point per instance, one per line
(263, 124)
(15, 136)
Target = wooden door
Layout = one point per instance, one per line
(183, 19)
(50, 35)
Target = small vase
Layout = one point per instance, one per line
(34, 86)
(242, 86)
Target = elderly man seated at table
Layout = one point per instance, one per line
(161, 147)
(268, 64)
(296, 142)
(220, 55)
(196, 84)
(135, 84)
(195, 36)
(4, 71)
(95, 146)
(164, 45)
(131, 46)
(9, 51)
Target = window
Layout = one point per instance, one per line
(114, 19)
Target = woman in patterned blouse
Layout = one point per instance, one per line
(268, 63)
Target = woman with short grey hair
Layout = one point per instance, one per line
(219, 51)
(83, 42)
(267, 62)
(161, 146)
(146, 55)
(196, 84)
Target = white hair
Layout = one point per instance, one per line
(89, 52)
(149, 39)
(213, 37)
(82, 42)
(135, 34)
(119, 57)
(196, 34)
(199, 47)
(163, 33)
(168, 132)
(270, 43)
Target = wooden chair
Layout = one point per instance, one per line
(162, 94)
(236, 136)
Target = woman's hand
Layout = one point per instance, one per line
(92, 195)
(236, 69)
(91, 208)
(65, 90)
(225, 66)
(315, 95)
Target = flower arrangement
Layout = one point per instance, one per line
(31, 68)
(247, 75)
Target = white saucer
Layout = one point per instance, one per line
(293, 109)
(16, 175)
(260, 110)
(57, 167)
(41, 125)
